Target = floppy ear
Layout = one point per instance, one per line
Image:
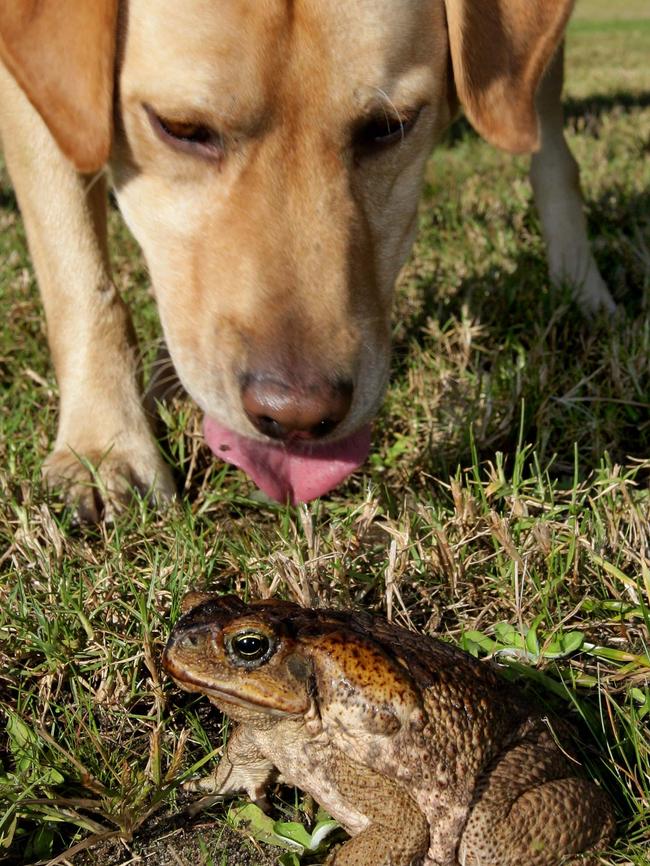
(61, 53)
(499, 51)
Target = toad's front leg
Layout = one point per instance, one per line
(243, 768)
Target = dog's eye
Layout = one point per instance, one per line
(384, 130)
(189, 137)
(186, 131)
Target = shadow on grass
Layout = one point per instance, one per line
(540, 372)
(8, 199)
(598, 104)
(591, 110)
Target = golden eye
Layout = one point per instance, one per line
(250, 647)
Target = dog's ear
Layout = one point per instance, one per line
(499, 51)
(62, 53)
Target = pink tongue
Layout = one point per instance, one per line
(295, 473)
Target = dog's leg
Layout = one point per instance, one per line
(555, 178)
(104, 446)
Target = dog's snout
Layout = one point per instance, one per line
(285, 411)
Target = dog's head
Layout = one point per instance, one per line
(268, 157)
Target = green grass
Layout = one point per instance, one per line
(505, 507)
(630, 25)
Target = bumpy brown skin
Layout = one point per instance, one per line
(425, 755)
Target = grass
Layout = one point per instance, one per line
(506, 506)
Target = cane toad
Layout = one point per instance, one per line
(424, 754)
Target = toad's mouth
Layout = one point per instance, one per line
(223, 695)
(290, 472)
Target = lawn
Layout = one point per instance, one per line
(505, 507)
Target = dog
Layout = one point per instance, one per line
(267, 155)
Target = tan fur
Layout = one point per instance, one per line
(283, 254)
(499, 51)
(61, 52)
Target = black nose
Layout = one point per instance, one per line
(295, 411)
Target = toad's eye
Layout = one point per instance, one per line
(250, 647)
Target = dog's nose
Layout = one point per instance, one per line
(282, 411)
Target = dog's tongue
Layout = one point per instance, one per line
(293, 473)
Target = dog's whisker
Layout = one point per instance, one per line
(94, 179)
(395, 110)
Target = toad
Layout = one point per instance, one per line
(424, 754)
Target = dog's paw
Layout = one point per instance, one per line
(592, 295)
(98, 485)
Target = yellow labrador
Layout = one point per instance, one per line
(268, 156)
